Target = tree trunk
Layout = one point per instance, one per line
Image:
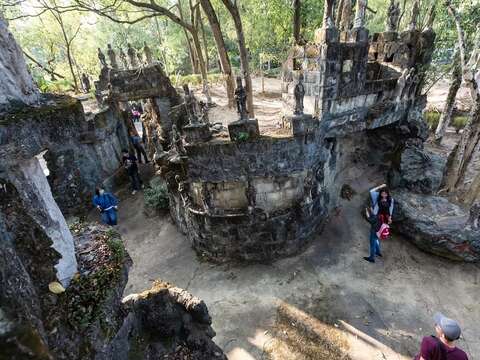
(222, 51)
(446, 116)
(72, 71)
(204, 38)
(233, 10)
(191, 52)
(460, 158)
(201, 63)
(297, 7)
(160, 42)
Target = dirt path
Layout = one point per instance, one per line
(382, 309)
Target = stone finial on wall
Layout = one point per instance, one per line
(393, 14)
(328, 14)
(346, 15)
(414, 15)
(360, 13)
(112, 57)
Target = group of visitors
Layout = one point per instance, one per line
(439, 347)
(106, 202)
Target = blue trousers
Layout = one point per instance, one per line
(374, 245)
(109, 217)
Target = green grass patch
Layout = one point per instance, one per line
(432, 118)
(459, 122)
(156, 196)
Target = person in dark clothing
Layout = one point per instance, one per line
(139, 148)
(106, 203)
(382, 203)
(442, 346)
(129, 162)
(374, 242)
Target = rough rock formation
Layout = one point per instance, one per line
(437, 226)
(88, 320)
(81, 152)
(420, 171)
(16, 83)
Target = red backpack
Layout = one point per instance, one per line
(384, 232)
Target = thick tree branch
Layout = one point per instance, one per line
(51, 72)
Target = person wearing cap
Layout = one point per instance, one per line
(442, 347)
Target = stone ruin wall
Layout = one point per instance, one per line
(264, 197)
(80, 154)
(344, 76)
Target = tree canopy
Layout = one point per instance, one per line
(267, 25)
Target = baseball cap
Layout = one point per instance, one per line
(450, 327)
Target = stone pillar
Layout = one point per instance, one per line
(37, 199)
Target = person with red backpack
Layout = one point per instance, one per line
(374, 242)
(382, 203)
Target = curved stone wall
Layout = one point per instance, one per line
(258, 200)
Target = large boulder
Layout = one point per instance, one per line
(437, 226)
(420, 171)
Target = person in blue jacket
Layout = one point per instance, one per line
(106, 203)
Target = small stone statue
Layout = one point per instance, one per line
(140, 59)
(328, 14)
(206, 199)
(132, 56)
(177, 142)
(393, 15)
(190, 105)
(414, 17)
(112, 57)
(184, 191)
(123, 59)
(101, 57)
(251, 195)
(360, 14)
(148, 54)
(401, 83)
(299, 93)
(474, 219)
(409, 82)
(241, 98)
(86, 83)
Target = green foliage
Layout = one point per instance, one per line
(267, 28)
(156, 196)
(196, 79)
(82, 302)
(459, 122)
(432, 118)
(243, 136)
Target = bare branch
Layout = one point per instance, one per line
(51, 72)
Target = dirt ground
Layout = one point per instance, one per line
(326, 301)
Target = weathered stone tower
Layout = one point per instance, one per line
(260, 197)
